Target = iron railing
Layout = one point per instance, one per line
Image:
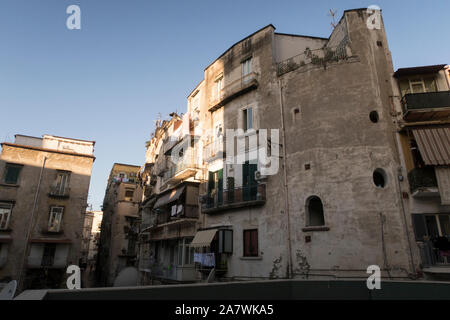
(214, 149)
(422, 178)
(426, 100)
(321, 57)
(58, 191)
(235, 196)
(431, 256)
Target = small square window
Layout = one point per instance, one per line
(12, 172)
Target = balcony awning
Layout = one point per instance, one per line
(434, 145)
(203, 238)
(169, 197)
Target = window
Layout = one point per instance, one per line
(54, 222)
(219, 87)
(12, 172)
(248, 118)
(314, 212)
(129, 194)
(379, 178)
(251, 243)
(225, 241)
(246, 67)
(48, 256)
(373, 116)
(5, 214)
(417, 86)
(62, 181)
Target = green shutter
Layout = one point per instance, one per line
(12, 174)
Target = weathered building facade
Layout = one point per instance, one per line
(169, 211)
(91, 237)
(117, 246)
(43, 197)
(423, 121)
(303, 172)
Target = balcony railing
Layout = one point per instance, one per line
(426, 106)
(422, 179)
(185, 167)
(58, 191)
(431, 256)
(234, 198)
(214, 149)
(320, 57)
(234, 89)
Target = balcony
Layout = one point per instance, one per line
(235, 198)
(426, 106)
(214, 150)
(185, 167)
(423, 182)
(59, 192)
(234, 89)
(432, 258)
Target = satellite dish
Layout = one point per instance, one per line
(9, 291)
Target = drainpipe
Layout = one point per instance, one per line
(30, 227)
(286, 198)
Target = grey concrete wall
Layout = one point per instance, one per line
(257, 290)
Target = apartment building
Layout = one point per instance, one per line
(169, 211)
(117, 247)
(43, 197)
(91, 237)
(423, 118)
(306, 166)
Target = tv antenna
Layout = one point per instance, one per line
(332, 15)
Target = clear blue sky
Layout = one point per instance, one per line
(134, 59)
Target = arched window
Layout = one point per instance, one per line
(314, 212)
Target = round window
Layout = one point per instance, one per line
(373, 116)
(379, 178)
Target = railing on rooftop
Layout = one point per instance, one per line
(320, 57)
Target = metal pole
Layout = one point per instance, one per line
(30, 228)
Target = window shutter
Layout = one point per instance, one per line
(254, 241)
(420, 227)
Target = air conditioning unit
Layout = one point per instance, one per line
(259, 176)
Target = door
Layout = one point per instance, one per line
(249, 184)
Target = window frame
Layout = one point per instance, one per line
(246, 67)
(60, 188)
(247, 252)
(308, 212)
(51, 218)
(52, 248)
(8, 217)
(5, 173)
(245, 118)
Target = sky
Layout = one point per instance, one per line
(134, 59)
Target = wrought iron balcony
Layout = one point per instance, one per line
(423, 182)
(254, 195)
(187, 166)
(58, 191)
(426, 106)
(214, 150)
